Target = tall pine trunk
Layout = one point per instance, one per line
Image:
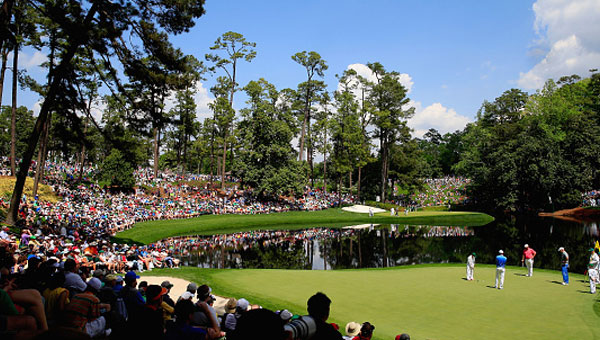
(41, 160)
(156, 135)
(224, 160)
(13, 115)
(82, 154)
(51, 95)
(3, 72)
(358, 183)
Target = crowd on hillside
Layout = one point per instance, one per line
(442, 191)
(591, 198)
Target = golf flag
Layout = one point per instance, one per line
(597, 246)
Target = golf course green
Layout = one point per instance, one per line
(150, 231)
(426, 301)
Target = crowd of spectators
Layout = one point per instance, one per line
(591, 198)
(50, 299)
(441, 191)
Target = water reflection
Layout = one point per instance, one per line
(373, 246)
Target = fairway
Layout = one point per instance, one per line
(428, 301)
(146, 232)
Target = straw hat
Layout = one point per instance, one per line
(352, 328)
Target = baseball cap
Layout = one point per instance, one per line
(243, 304)
(526, 245)
(192, 287)
(561, 248)
(500, 251)
(130, 276)
(591, 249)
(403, 336)
(95, 283)
(166, 284)
(154, 292)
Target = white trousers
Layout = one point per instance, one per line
(95, 327)
(470, 272)
(593, 273)
(529, 264)
(499, 278)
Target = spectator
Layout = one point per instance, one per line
(205, 315)
(366, 332)
(148, 323)
(259, 324)
(182, 329)
(56, 298)
(83, 312)
(131, 296)
(318, 307)
(352, 330)
(73, 282)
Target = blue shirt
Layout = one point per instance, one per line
(500, 261)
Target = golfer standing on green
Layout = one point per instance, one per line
(470, 266)
(500, 269)
(527, 258)
(564, 259)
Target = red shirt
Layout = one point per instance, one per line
(529, 253)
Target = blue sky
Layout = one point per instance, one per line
(454, 54)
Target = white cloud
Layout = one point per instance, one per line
(202, 99)
(568, 32)
(27, 61)
(435, 116)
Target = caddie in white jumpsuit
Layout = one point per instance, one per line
(593, 267)
(470, 266)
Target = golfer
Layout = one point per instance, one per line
(470, 266)
(527, 258)
(564, 259)
(500, 269)
(593, 270)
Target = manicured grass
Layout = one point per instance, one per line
(426, 301)
(151, 231)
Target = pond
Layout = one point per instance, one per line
(372, 246)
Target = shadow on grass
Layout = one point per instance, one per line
(556, 282)
(519, 274)
(583, 291)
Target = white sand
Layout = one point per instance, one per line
(179, 287)
(362, 209)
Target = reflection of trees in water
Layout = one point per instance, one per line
(405, 245)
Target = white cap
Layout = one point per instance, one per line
(500, 251)
(243, 304)
(95, 283)
(187, 295)
(561, 249)
(526, 245)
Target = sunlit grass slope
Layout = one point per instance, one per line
(219, 224)
(428, 302)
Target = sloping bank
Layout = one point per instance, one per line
(150, 231)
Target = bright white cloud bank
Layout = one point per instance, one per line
(434, 116)
(569, 31)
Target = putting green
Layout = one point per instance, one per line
(146, 232)
(428, 301)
